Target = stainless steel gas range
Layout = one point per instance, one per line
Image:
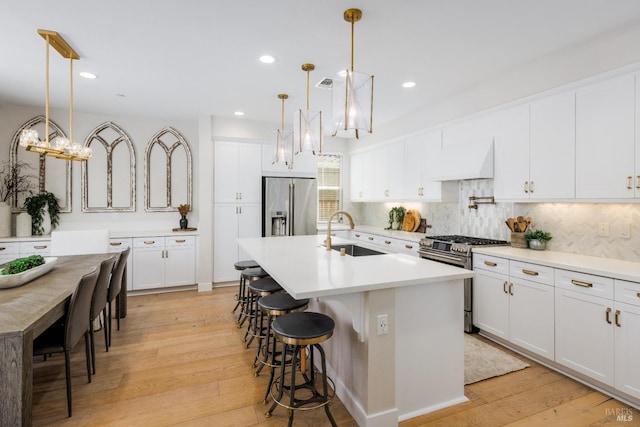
(456, 250)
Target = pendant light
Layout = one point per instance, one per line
(60, 147)
(352, 94)
(283, 141)
(307, 124)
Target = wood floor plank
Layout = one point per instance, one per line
(179, 359)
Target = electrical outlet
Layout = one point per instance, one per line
(383, 324)
(623, 230)
(603, 229)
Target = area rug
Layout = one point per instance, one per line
(482, 361)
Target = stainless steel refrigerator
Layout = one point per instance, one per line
(289, 206)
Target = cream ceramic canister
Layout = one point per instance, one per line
(5, 220)
(23, 225)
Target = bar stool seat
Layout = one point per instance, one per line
(247, 275)
(241, 295)
(243, 265)
(274, 305)
(296, 331)
(258, 289)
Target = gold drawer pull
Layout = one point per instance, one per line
(530, 272)
(607, 313)
(149, 242)
(411, 247)
(180, 240)
(115, 243)
(629, 178)
(504, 287)
(638, 294)
(388, 242)
(40, 247)
(370, 238)
(581, 283)
(490, 264)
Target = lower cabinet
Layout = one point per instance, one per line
(9, 251)
(163, 262)
(119, 245)
(627, 331)
(391, 244)
(519, 306)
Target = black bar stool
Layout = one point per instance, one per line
(296, 331)
(241, 295)
(248, 275)
(257, 290)
(273, 306)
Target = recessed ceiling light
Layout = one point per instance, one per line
(88, 75)
(408, 84)
(267, 59)
(239, 113)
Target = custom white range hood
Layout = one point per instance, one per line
(471, 161)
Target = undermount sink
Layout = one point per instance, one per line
(355, 250)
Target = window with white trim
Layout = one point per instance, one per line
(329, 185)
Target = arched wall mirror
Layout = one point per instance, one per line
(168, 161)
(109, 176)
(46, 173)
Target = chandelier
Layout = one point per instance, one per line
(60, 147)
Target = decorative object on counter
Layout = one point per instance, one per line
(537, 239)
(5, 220)
(519, 224)
(422, 228)
(411, 221)
(475, 201)
(396, 216)
(22, 264)
(18, 279)
(352, 94)
(517, 240)
(184, 210)
(23, 225)
(44, 211)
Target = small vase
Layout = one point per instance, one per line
(46, 220)
(5, 220)
(23, 225)
(537, 245)
(184, 222)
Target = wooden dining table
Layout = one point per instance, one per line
(25, 312)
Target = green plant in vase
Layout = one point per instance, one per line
(35, 206)
(396, 216)
(537, 239)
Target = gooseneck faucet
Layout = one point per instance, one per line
(328, 240)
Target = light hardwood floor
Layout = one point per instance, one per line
(179, 360)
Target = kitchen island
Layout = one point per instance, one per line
(418, 365)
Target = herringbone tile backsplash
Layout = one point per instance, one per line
(574, 226)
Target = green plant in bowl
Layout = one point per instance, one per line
(537, 239)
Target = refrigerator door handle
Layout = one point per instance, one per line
(292, 202)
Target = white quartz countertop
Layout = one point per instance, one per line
(617, 269)
(114, 234)
(305, 269)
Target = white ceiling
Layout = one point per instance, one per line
(178, 59)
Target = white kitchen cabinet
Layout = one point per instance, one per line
(584, 320)
(118, 245)
(362, 171)
(35, 247)
(511, 151)
(9, 251)
(388, 173)
(230, 223)
(420, 153)
(605, 139)
(237, 172)
(518, 307)
(386, 242)
(627, 331)
(163, 262)
(304, 164)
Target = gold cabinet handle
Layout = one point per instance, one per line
(581, 283)
(370, 238)
(388, 242)
(638, 181)
(357, 235)
(510, 288)
(411, 247)
(629, 182)
(180, 240)
(504, 287)
(608, 312)
(531, 187)
(490, 264)
(530, 272)
(617, 318)
(115, 243)
(149, 242)
(2, 249)
(638, 294)
(526, 186)
(40, 247)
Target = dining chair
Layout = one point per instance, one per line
(99, 305)
(62, 337)
(79, 242)
(118, 279)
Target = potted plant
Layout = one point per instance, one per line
(396, 216)
(537, 239)
(39, 206)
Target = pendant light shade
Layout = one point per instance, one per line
(60, 147)
(283, 141)
(352, 94)
(307, 124)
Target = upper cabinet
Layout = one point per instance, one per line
(511, 162)
(605, 139)
(238, 172)
(421, 154)
(305, 164)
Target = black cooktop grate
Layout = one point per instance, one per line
(472, 241)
